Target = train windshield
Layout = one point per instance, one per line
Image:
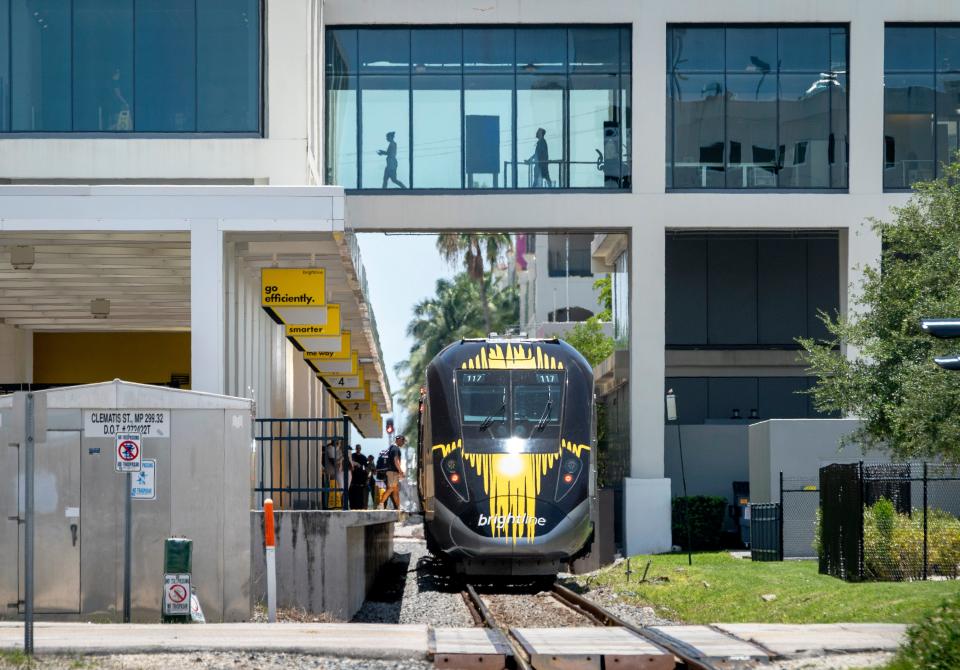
(499, 406)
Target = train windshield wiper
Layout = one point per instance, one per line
(486, 423)
(545, 416)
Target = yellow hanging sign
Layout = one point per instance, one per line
(329, 329)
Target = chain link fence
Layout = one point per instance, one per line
(890, 521)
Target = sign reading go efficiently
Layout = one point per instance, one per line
(294, 295)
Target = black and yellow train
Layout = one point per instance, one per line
(506, 471)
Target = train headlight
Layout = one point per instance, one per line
(510, 465)
(568, 478)
(454, 477)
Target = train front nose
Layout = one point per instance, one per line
(500, 528)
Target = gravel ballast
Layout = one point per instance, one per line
(413, 588)
(219, 660)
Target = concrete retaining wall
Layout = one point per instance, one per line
(326, 560)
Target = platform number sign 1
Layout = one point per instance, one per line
(129, 453)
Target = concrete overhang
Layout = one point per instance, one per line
(131, 245)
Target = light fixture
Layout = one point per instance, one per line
(22, 257)
(100, 308)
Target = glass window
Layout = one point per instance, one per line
(751, 50)
(805, 49)
(384, 51)
(620, 287)
(165, 81)
(948, 49)
(228, 65)
(435, 50)
(488, 124)
(625, 50)
(482, 108)
(341, 137)
(752, 130)
(908, 49)
(773, 116)
(488, 49)
(40, 48)
(385, 135)
(568, 255)
(541, 50)
(698, 131)
(436, 131)
(908, 105)
(596, 146)
(4, 65)
(692, 49)
(805, 133)
(948, 118)
(594, 50)
(540, 131)
(103, 65)
(341, 44)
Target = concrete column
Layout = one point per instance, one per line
(866, 103)
(864, 247)
(648, 101)
(647, 492)
(207, 339)
(16, 355)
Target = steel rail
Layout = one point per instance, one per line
(690, 656)
(519, 654)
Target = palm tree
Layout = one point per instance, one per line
(475, 250)
(451, 314)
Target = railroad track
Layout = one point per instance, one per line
(531, 653)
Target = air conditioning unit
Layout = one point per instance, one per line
(22, 257)
(100, 308)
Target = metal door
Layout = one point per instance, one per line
(57, 523)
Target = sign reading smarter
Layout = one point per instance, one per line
(110, 422)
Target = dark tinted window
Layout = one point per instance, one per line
(341, 46)
(541, 50)
(40, 66)
(754, 107)
(120, 66)
(103, 65)
(384, 51)
(436, 50)
(165, 92)
(228, 65)
(921, 99)
(594, 50)
(488, 49)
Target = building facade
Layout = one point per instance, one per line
(727, 157)
(740, 149)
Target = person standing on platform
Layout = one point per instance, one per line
(358, 480)
(394, 472)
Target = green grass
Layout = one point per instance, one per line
(14, 658)
(720, 588)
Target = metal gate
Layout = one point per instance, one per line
(302, 463)
(766, 532)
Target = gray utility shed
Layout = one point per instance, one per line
(202, 445)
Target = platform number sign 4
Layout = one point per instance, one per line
(129, 452)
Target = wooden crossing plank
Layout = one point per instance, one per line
(470, 649)
(585, 648)
(714, 644)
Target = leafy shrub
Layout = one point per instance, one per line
(934, 643)
(706, 521)
(893, 543)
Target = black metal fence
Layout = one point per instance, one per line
(294, 465)
(890, 521)
(799, 499)
(766, 532)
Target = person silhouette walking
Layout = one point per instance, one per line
(541, 161)
(390, 171)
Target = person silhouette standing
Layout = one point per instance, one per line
(390, 171)
(541, 161)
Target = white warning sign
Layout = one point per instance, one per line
(176, 594)
(109, 422)
(129, 453)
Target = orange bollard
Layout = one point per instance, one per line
(270, 541)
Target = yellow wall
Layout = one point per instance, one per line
(83, 358)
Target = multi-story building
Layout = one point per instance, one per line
(728, 155)
(155, 157)
(555, 281)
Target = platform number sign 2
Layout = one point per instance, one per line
(129, 452)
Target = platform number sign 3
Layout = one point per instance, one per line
(129, 452)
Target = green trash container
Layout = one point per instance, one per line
(177, 567)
